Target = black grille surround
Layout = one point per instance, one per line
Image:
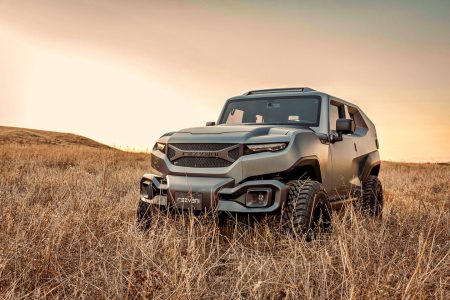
(202, 146)
(204, 155)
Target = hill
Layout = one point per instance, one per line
(25, 136)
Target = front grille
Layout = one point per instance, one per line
(216, 156)
(202, 162)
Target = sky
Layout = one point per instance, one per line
(125, 72)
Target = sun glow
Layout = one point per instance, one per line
(101, 97)
(124, 74)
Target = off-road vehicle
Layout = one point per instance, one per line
(295, 152)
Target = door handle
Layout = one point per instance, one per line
(356, 149)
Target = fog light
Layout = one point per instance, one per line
(258, 197)
(146, 190)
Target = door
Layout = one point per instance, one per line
(342, 154)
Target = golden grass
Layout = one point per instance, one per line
(67, 230)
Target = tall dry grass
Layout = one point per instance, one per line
(67, 231)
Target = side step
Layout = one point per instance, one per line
(336, 204)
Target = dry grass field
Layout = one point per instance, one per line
(67, 230)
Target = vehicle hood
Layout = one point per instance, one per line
(235, 134)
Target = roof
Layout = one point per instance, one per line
(280, 90)
(287, 92)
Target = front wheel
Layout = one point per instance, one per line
(307, 209)
(144, 215)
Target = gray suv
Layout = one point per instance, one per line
(294, 152)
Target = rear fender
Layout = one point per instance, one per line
(369, 166)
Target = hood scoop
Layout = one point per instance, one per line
(257, 130)
(232, 134)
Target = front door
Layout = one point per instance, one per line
(342, 155)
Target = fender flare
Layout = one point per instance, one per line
(372, 162)
(310, 161)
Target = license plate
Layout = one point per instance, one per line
(188, 200)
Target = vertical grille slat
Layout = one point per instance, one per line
(170, 153)
(235, 153)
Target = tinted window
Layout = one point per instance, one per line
(334, 115)
(298, 110)
(356, 116)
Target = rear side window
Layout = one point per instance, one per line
(361, 126)
(356, 116)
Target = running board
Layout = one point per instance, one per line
(338, 203)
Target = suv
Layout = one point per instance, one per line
(294, 152)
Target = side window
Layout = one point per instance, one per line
(352, 116)
(334, 115)
(336, 112)
(356, 116)
(361, 126)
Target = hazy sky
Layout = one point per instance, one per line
(125, 72)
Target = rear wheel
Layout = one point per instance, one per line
(307, 210)
(372, 196)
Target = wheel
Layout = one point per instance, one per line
(372, 196)
(307, 209)
(144, 215)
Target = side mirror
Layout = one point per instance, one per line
(210, 123)
(345, 126)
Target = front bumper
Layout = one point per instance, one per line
(219, 194)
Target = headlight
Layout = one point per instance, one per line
(161, 147)
(255, 148)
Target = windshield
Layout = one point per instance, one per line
(293, 110)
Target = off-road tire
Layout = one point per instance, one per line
(372, 196)
(144, 215)
(306, 210)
